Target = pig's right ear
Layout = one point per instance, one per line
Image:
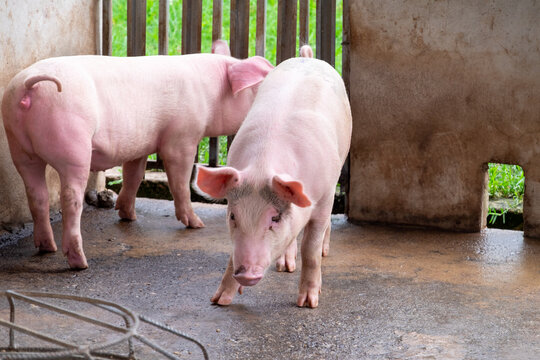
(248, 72)
(216, 182)
(290, 191)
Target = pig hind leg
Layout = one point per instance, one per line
(287, 261)
(132, 175)
(32, 171)
(73, 181)
(178, 166)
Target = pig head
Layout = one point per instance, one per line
(83, 113)
(261, 216)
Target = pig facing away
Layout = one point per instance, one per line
(82, 113)
(282, 171)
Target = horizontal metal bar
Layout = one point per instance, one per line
(69, 313)
(38, 335)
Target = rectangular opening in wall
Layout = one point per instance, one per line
(506, 188)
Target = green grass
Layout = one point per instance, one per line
(506, 181)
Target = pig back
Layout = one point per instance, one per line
(130, 104)
(299, 124)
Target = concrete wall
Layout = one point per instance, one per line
(32, 30)
(438, 90)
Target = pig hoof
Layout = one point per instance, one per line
(46, 246)
(76, 261)
(192, 221)
(309, 299)
(325, 251)
(127, 215)
(283, 264)
(224, 296)
(309, 296)
(222, 299)
(280, 264)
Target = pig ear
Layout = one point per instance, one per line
(248, 72)
(215, 182)
(220, 47)
(291, 191)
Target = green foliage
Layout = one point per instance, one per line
(506, 181)
(118, 181)
(494, 214)
(204, 150)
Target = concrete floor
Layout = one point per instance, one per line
(388, 293)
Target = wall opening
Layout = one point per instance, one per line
(506, 188)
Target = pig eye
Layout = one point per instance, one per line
(276, 218)
(232, 216)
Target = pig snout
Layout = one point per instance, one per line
(248, 276)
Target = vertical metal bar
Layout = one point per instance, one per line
(240, 28)
(286, 31)
(191, 26)
(326, 31)
(304, 22)
(136, 28)
(217, 21)
(107, 27)
(163, 37)
(260, 32)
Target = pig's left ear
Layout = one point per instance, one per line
(248, 72)
(290, 191)
(215, 182)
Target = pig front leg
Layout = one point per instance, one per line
(132, 175)
(311, 252)
(178, 166)
(287, 261)
(228, 287)
(32, 171)
(73, 182)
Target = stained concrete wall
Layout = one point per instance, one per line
(438, 90)
(30, 31)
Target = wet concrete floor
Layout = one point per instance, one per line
(388, 293)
